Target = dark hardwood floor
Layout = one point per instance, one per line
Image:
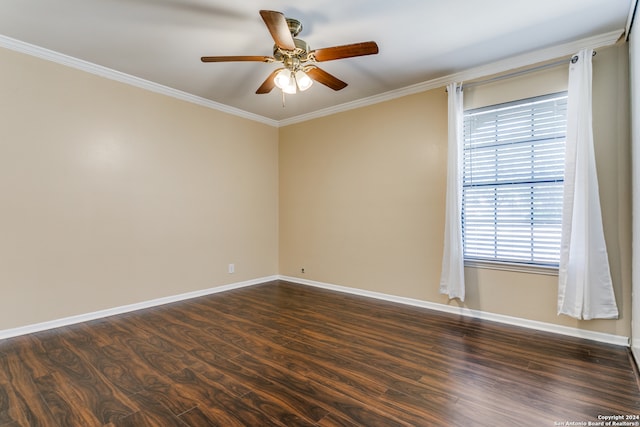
(289, 355)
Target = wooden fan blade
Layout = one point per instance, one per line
(279, 29)
(269, 83)
(236, 58)
(325, 78)
(346, 51)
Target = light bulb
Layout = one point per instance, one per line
(282, 78)
(303, 80)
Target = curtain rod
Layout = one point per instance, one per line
(573, 60)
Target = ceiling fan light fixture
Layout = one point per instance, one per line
(303, 80)
(286, 81)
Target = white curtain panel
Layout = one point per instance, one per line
(452, 276)
(585, 289)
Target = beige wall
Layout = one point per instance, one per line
(362, 198)
(112, 195)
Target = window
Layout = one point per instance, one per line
(513, 177)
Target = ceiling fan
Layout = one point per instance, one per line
(298, 60)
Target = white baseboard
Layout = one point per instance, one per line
(463, 311)
(23, 330)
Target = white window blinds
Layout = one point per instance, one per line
(513, 176)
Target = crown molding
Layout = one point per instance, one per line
(504, 65)
(99, 70)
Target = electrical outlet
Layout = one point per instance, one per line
(232, 268)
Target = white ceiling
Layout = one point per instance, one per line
(161, 41)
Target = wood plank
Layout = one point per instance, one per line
(82, 378)
(22, 402)
(153, 413)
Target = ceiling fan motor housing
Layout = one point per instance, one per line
(301, 52)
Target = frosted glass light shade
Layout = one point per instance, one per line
(303, 80)
(286, 81)
(282, 78)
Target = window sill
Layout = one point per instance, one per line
(507, 266)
